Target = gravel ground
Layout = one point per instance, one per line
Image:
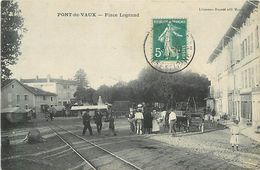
(193, 150)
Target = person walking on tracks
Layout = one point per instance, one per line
(139, 119)
(98, 121)
(172, 122)
(86, 122)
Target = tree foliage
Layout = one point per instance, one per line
(81, 78)
(152, 86)
(11, 34)
(83, 93)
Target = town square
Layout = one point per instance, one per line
(130, 85)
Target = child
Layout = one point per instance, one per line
(234, 135)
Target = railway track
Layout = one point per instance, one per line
(98, 157)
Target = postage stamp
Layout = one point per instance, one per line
(169, 39)
(169, 47)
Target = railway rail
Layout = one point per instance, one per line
(83, 155)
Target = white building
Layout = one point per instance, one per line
(15, 93)
(235, 85)
(64, 89)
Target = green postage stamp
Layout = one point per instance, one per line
(169, 40)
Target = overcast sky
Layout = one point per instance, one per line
(110, 49)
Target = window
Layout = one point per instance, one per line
(12, 86)
(51, 99)
(9, 97)
(257, 37)
(44, 97)
(245, 46)
(26, 97)
(242, 50)
(252, 43)
(26, 106)
(256, 75)
(245, 78)
(17, 98)
(248, 45)
(242, 79)
(253, 77)
(249, 77)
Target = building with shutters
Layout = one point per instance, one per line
(64, 89)
(235, 84)
(14, 93)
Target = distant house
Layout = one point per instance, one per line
(14, 93)
(64, 89)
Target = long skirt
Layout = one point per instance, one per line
(156, 126)
(234, 140)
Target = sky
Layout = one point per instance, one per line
(110, 49)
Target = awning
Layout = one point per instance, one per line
(13, 110)
(90, 107)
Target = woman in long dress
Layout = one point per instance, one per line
(155, 122)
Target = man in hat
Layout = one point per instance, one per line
(139, 119)
(86, 122)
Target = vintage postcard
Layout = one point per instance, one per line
(132, 84)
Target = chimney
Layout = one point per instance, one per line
(37, 77)
(48, 78)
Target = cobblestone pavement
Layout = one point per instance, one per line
(209, 150)
(216, 144)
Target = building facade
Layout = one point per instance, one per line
(14, 93)
(64, 89)
(236, 80)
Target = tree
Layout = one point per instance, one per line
(11, 34)
(81, 78)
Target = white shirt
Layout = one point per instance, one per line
(163, 113)
(172, 116)
(234, 130)
(139, 115)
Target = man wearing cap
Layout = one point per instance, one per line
(139, 118)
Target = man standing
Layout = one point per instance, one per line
(98, 121)
(52, 112)
(131, 120)
(139, 118)
(86, 122)
(172, 122)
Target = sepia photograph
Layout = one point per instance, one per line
(130, 84)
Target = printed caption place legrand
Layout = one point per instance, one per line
(94, 15)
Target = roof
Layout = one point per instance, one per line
(45, 80)
(5, 82)
(237, 23)
(35, 91)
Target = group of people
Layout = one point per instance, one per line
(98, 121)
(147, 120)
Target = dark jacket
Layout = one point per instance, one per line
(98, 118)
(86, 118)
